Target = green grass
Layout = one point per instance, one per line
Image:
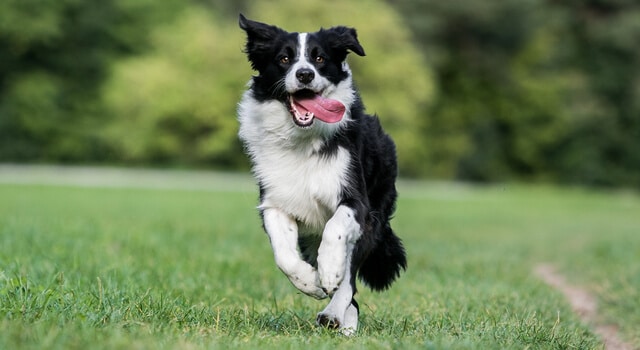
(106, 268)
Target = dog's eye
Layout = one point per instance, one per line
(319, 59)
(284, 60)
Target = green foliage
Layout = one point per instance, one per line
(532, 90)
(177, 102)
(52, 69)
(603, 147)
(499, 91)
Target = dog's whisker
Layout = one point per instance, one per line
(278, 87)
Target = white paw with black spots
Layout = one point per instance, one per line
(308, 283)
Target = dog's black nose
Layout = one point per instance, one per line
(305, 75)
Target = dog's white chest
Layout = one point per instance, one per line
(308, 188)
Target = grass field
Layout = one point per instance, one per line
(104, 267)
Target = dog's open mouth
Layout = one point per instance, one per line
(305, 105)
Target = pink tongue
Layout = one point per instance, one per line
(327, 110)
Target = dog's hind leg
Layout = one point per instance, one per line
(283, 235)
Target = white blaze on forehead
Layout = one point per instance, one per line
(302, 47)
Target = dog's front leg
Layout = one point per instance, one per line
(283, 235)
(340, 234)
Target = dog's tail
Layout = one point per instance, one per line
(384, 263)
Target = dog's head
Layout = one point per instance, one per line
(307, 72)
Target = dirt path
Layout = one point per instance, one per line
(585, 305)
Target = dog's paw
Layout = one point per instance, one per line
(308, 283)
(316, 292)
(330, 282)
(331, 270)
(328, 321)
(347, 327)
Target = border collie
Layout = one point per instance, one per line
(325, 169)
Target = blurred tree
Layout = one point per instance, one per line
(485, 91)
(496, 116)
(532, 89)
(176, 104)
(603, 147)
(53, 57)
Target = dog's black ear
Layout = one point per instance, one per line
(258, 30)
(258, 34)
(260, 38)
(345, 38)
